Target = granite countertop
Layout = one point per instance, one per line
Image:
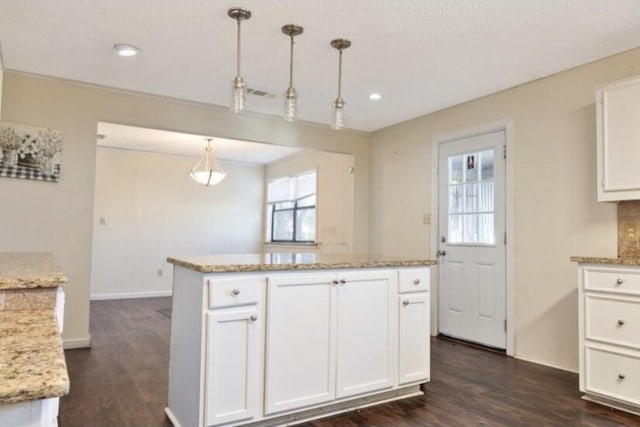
(20, 270)
(286, 261)
(605, 260)
(32, 364)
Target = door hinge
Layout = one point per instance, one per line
(505, 237)
(504, 151)
(505, 325)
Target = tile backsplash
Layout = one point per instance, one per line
(629, 229)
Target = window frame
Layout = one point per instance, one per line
(272, 210)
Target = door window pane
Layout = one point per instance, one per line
(471, 198)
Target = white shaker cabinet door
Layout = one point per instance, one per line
(366, 332)
(232, 365)
(300, 353)
(414, 336)
(618, 108)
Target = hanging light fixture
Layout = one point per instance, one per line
(338, 104)
(211, 172)
(238, 86)
(290, 96)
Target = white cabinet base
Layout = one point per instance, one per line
(611, 403)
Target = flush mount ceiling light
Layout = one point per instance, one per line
(290, 96)
(238, 86)
(338, 104)
(375, 96)
(126, 50)
(210, 173)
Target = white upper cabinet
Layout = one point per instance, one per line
(618, 125)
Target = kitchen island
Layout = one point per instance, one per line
(33, 372)
(281, 338)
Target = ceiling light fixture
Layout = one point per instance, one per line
(290, 96)
(375, 96)
(338, 104)
(211, 172)
(126, 50)
(238, 86)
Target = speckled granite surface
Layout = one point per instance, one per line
(605, 260)
(30, 270)
(290, 262)
(32, 364)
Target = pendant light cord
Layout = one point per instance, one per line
(340, 74)
(291, 63)
(238, 50)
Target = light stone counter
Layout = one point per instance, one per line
(240, 263)
(32, 364)
(605, 260)
(20, 270)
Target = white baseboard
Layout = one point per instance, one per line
(71, 343)
(129, 295)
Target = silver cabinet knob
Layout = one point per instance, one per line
(620, 322)
(405, 303)
(342, 281)
(416, 282)
(335, 281)
(621, 376)
(619, 282)
(235, 292)
(253, 318)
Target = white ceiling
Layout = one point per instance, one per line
(161, 141)
(421, 55)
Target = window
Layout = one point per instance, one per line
(291, 208)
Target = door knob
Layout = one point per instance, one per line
(441, 253)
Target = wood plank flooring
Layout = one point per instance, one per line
(122, 381)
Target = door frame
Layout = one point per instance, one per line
(505, 125)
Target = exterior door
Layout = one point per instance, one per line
(471, 240)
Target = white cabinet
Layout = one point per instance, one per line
(231, 365)
(618, 150)
(329, 336)
(414, 346)
(610, 335)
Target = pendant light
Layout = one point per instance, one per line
(338, 104)
(211, 172)
(290, 96)
(238, 86)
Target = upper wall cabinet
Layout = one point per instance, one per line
(618, 123)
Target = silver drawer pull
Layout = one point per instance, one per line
(253, 318)
(405, 303)
(619, 282)
(620, 322)
(416, 282)
(235, 292)
(621, 376)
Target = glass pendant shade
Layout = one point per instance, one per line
(238, 86)
(338, 114)
(208, 171)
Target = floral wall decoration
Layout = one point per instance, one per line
(28, 152)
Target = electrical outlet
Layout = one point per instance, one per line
(426, 218)
(103, 221)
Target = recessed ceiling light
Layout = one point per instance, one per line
(126, 50)
(375, 97)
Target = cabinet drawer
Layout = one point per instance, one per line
(613, 320)
(413, 280)
(613, 374)
(612, 280)
(227, 292)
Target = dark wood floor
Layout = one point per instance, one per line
(122, 381)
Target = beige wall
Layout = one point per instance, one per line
(334, 222)
(556, 214)
(58, 217)
(151, 208)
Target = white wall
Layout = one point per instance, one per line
(151, 208)
(335, 197)
(38, 216)
(556, 214)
